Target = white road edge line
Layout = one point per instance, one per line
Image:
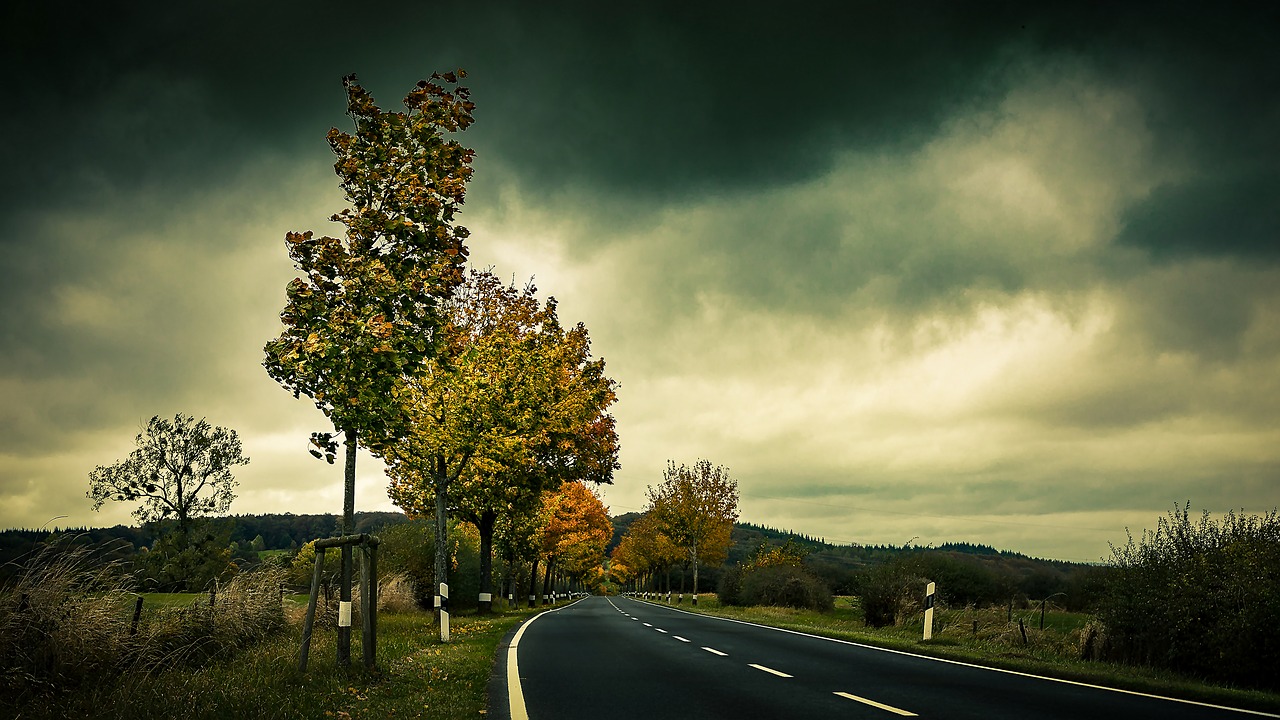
(515, 693)
(873, 703)
(1228, 708)
(779, 673)
(714, 651)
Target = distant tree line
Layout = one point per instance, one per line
(237, 533)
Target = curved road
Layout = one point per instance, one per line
(609, 656)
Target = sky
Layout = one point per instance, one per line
(995, 272)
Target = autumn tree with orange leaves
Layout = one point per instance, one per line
(577, 531)
(696, 507)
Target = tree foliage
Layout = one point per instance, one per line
(1198, 596)
(180, 470)
(364, 314)
(696, 507)
(513, 405)
(577, 529)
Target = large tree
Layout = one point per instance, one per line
(364, 316)
(506, 406)
(180, 470)
(696, 508)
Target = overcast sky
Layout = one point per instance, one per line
(1005, 273)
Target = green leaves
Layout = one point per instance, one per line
(364, 316)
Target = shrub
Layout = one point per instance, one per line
(1198, 597)
(891, 592)
(730, 589)
(785, 586)
(408, 549)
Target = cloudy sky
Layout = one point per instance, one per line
(1006, 273)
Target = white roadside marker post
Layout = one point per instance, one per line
(928, 611)
(444, 612)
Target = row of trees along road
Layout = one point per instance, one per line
(470, 390)
(511, 409)
(688, 519)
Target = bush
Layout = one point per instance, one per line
(892, 592)
(1198, 597)
(730, 589)
(785, 586)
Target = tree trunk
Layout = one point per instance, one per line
(533, 581)
(695, 573)
(487, 520)
(442, 533)
(512, 579)
(348, 527)
(546, 581)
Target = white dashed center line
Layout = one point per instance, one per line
(873, 703)
(714, 651)
(779, 673)
(679, 638)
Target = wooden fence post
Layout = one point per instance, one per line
(309, 620)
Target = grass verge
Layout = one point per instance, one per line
(1053, 652)
(417, 677)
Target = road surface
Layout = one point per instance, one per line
(619, 657)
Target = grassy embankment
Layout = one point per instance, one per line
(988, 637)
(417, 676)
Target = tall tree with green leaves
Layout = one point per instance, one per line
(696, 508)
(364, 316)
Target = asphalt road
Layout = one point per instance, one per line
(618, 657)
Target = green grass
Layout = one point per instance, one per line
(1053, 652)
(416, 677)
(171, 600)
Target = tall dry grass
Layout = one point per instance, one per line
(67, 621)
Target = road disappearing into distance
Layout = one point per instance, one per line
(621, 657)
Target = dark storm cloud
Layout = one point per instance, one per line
(657, 101)
(962, 256)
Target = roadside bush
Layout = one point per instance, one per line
(785, 586)
(396, 594)
(891, 592)
(409, 549)
(1198, 597)
(730, 589)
